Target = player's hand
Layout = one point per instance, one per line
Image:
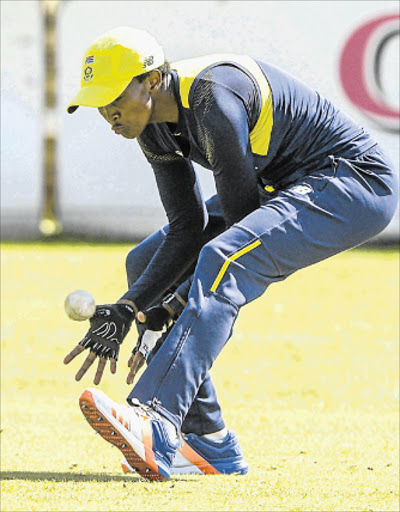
(153, 323)
(146, 342)
(156, 318)
(108, 327)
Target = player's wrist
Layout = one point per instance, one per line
(174, 304)
(131, 306)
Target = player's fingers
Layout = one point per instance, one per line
(137, 363)
(86, 365)
(135, 358)
(141, 317)
(77, 350)
(113, 365)
(100, 370)
(131, 376)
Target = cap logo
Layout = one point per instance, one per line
(88, 75)
(148, 61)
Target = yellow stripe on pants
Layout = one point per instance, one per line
(234, 257)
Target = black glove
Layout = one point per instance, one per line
(108, 327)
(157, 318)
(152, 333)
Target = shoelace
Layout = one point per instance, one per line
(144, 409)
(147, 410)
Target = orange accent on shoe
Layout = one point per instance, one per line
(198, 460)
(147, 441)
(126, 424)
(114, 413)
(125, 468)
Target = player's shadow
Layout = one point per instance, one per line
(67, 477)
(40, 476)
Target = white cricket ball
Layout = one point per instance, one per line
(80, 305)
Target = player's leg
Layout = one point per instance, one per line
(205, 416)
(208, 447)
(139, 257)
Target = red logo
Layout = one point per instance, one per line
(360, 69)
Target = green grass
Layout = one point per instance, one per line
(309, 381)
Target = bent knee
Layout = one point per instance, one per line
(238, 272)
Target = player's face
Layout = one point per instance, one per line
(131, 111)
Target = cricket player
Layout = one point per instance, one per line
(297, 181)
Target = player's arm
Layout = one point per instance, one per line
(181, 197)
(187, 217)
(224, 118)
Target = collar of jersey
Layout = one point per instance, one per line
(181, 125)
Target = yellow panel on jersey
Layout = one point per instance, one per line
(189, 69)
(234, 257)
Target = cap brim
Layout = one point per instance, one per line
(96, 96)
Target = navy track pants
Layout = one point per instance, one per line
(339, 206)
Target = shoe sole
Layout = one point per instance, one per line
(110, 433)
(190, 470)
(180, 470)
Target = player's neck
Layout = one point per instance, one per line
(165, 106)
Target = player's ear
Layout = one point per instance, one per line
(154, 80)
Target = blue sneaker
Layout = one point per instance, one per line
(147, 441)
(199, 455)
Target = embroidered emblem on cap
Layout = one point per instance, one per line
(148, 61)
(88, 74)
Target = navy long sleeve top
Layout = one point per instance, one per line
(249, 123)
